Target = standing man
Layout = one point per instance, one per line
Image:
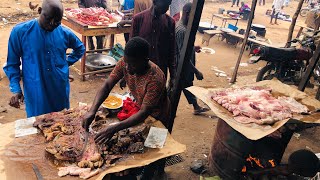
(276, 8)
(262, 2)
(176, 7)
(155, 26)
(41, 45)
(190, 69)
(234, 2)
(88, 4)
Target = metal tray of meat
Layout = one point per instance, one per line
(99, 61)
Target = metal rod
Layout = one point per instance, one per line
(235, 72)
(313, 62)
(185, 56)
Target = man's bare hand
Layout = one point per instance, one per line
(121, 24)
(199, 75)
(105, 135)
(16, 99)
(87, 120)
(197, 49)
(123, 83)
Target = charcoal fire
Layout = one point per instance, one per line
(256, 163)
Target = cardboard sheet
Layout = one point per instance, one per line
(24, 127)
(17, 154)
(254, 131)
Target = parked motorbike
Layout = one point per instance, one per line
(285, 64)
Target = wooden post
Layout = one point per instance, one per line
(185, 55)
(83, 60)
(313, 62)
(293, 23)
(245, 40)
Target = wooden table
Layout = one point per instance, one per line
(301, 29)
(249, 39)
(225, 19)
(86, 30)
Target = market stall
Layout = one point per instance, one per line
(90, 27)
(18, 154)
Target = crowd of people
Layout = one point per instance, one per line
(150, 60)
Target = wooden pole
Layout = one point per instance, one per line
(293, 23)
(245, 40)
(185, 56)
(313, 62)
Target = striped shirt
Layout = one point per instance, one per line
(148, 89)
(188, 71)
(176, 6)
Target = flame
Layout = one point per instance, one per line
(244, 169)
(273, 164)
(256, 160)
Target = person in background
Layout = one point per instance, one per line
(155, 26)
(190, 69)
(127, 6)
(41, 45)
(146, 82)
(276, 8)
(234, 2)
(176, 7)
(94, 3)
(139, 6)
(262, 2)
(244, 7)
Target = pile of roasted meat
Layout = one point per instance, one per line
(68, 144)
(257, 105)
(93, 16)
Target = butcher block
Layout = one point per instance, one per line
(255, 131)
(18, 154)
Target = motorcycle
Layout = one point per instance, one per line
(285, 64)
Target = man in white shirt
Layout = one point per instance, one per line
(277, 5)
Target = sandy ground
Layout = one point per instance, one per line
(196, 132)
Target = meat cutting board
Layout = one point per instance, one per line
(254, 131)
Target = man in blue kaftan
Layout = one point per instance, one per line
(40, 46)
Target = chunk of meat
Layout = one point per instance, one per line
(294, 105)
(87, 175)
(256, 105)
(72, 170)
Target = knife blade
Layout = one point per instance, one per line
(86, 137)
(37, 172)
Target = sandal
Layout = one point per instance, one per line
(201, 110)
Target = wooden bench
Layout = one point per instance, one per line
(301, 30)
(234, 34)
(208, 34)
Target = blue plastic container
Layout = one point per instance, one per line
(233, 27)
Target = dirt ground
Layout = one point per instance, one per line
(196, 132)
